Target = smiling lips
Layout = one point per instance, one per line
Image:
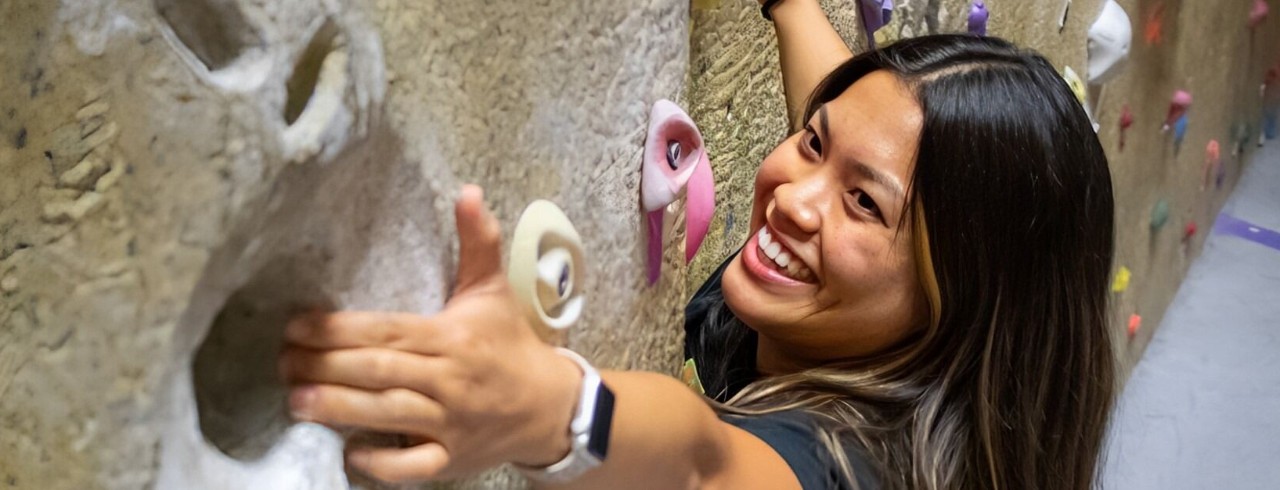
(773, 254)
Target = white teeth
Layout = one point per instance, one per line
(772, 250)
(783, 259)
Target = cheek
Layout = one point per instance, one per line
(868, 265)
(771, 174)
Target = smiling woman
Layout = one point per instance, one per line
(950, 336)
(921, 305)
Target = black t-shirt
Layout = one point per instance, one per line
(793, 434)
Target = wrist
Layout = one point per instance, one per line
(552, 440)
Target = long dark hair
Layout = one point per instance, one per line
(1011, 384)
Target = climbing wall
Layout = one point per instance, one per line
(178, 176)
(1204, 48)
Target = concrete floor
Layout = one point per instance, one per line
(1202, 409)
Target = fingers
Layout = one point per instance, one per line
(397, 411)
(366, 368)
(479, 239)
(394, 465)
(349, 329)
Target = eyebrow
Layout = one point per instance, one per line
(863, 169)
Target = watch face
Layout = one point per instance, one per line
(598, 443)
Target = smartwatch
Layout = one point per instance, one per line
(588, 431)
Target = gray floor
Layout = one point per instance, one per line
(1202, 409)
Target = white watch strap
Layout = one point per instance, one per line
(579, 459)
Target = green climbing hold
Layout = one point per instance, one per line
(689, 374)
(1160, 214)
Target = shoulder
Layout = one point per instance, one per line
(796, 438)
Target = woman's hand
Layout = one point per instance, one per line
(472, 386)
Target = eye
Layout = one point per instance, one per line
(673, 154)
(814, 143)
(865, 202)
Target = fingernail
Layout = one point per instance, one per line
(300, 400)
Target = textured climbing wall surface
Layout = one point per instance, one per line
(1205, 48)
(179, 175)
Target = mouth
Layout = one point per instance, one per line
(772, 261)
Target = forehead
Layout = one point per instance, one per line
(876, 122)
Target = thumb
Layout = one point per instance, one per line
(479, 239)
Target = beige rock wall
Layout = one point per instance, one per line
(177, 176)
(179, 173)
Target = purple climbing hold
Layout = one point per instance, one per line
(978, 16)
(875, 14)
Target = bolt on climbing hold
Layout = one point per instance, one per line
(875, 14)
(1153, 31)
(675, 164)
(1258, 13)
(1180, 131)
(1121, 282)
(1212, 162)
(1135, 323)
(1126, 120)
(1109, 40)
(1159, 215)
(1189, 231)
(1178, 105)
(547, 269)
(978, 16)
(1077, 85)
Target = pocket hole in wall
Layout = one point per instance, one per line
(239, 395)
(306, 72)
(216, 31)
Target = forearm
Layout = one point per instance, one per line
(663, 436)
(809, 48)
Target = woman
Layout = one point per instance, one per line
(922, 305)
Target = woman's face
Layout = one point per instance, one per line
(829, 271)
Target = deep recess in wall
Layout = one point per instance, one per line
(239, 395)
(306, 72)
(216, 31)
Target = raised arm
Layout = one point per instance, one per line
(809, 48)
(473, 387)
(665, 436)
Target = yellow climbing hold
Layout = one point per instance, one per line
(1122, 280)
(1076, 84)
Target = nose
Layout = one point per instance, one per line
(798, 202)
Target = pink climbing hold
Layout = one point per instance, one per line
(1258, 13)
(1177, 107)
(1212, 162)
(675, 164)
(700, 197)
